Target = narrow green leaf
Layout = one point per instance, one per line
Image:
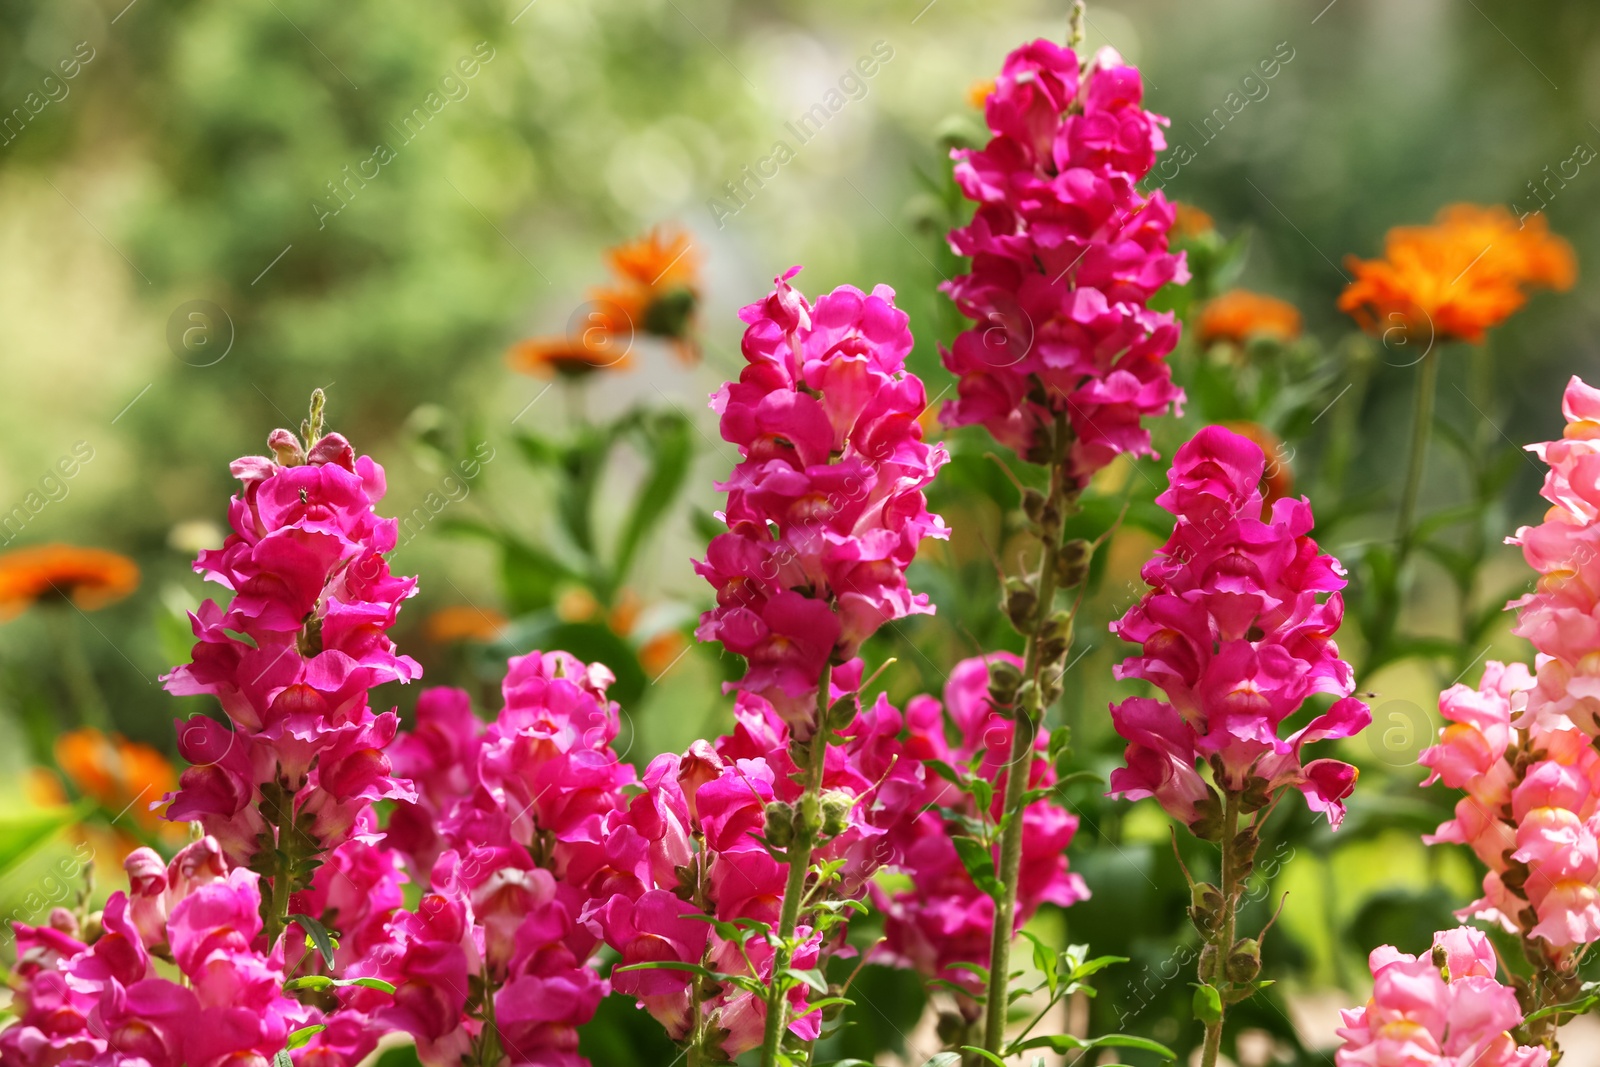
(299, 1037)
(317, 934)
(984, 1054)
(671, 450)
(979, 862)
(281, 1059)
(309, 981)
(367, 983)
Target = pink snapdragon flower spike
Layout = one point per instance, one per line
(293, 656)
(825, 507)
(1237, 632)
(1066, 254)
(1561, 617)
(1443, 1010)
(943, 919)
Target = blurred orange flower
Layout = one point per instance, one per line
(601, 342)
(1190, 221)
(660, 652)
(1239, 315)
(657, 290)
(1467, 272)
(463, 622)
(119, 775)
(1278, 478)
(978, 92)
(91, 578)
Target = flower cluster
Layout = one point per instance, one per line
(825, 508)
(292, 657)
(508, 827)
(1531, 811)
(943, 919)
(1561, 617)
(693, 848)
(1237, 631)
(1446, 1009)
(1467, 272)
(1066, 254)
(105, 1001)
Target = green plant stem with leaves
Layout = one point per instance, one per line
(1421, 430)
(808, 824)
(1029, 602)
(1221, 943)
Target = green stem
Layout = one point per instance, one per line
(1421, 430)
(810, 823)
(1026, 726)
(1222, 940)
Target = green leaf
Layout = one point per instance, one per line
(301, 1036)
(317, 934)
(943, 770)
(671, 450)
(1099, 963)
(812, 978)
(21, 834)
(979, 862)
(309, 981)
(1064, 1043)
(281, 1059)
(1207, 1004)
(985, 1054)
(368, 983)
(668, 965)
(1046, 959)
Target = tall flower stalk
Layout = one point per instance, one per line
(291, 660)
(1237, 632)
(825, 511)
(1065, 357)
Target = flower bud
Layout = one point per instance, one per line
(779, 824)
(1072, 563)
(1020, 603)
(1205, 905)
(836, 805)
(1244, 961)
(1004, 677)
(952, 1029)
(1032, 503)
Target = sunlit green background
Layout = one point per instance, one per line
(189, 159)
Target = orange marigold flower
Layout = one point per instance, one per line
(1278, 477)
(978, 92)
(1190, 221)
(1239, 315)
(463, 622)
(658, 287)
(1466, 273)
(118, 774)
(91, 578)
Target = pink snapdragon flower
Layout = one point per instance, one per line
(1531, 811)
(1561, 617)
(1237, 631)
(292, 657)
(510, 826)
(1066, 254)
(943, 918)
(104, 1001)
(1424, 1015)
(825, 507)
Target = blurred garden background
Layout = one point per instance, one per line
(207, 211)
